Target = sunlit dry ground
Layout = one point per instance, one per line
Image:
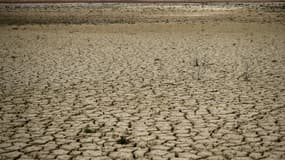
(204, 90)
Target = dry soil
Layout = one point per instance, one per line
(203, 89)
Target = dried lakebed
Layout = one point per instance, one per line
(143, 91)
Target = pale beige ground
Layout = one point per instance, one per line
(71, 91)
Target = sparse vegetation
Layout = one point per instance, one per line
(246, 73)
(123, 140)
(200, 63)
(196, 62)
(87, 129)
(248, 68)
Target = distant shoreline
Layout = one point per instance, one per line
(136, 4)
(122, 13)
(139, 1)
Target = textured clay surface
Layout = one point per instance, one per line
(204, 90)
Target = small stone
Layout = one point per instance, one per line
(32, 149)
(59, 152)
(13, 155)
(91, 153)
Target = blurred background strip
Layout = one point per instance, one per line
(132, 1)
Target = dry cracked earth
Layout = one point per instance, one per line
(208, 91)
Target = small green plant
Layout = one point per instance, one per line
(87, 129)
(123, 140)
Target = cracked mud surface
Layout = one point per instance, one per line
(143, 91)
